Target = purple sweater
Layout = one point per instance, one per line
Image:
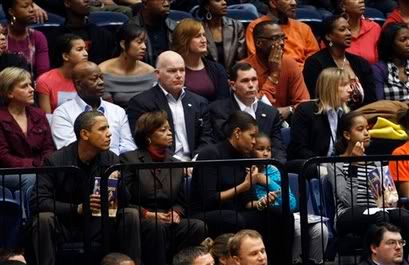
(39, 51)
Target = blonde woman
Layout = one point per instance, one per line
(203, 77)
(25, 135)
(314, 124)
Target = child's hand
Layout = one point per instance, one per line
(358, 150)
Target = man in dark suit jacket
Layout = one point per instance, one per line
(244, 84)
(188, 113)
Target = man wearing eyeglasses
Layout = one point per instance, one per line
(279, 77)
(385, 245)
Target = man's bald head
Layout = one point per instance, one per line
(82, 69)
(88, 81)
(167, 57)
(170, 69)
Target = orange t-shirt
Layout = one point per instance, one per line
(300, 42)
(401, 167)
(56, 86)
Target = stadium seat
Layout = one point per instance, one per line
(286, 136)
(106, 18)
(245, 13)
(375, 15)
(10, 219)
(178, 15)
(311, 17)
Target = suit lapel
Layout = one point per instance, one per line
(189, 111)
(162, 103)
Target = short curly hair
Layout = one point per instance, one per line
(146, 125)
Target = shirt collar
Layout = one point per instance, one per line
(167, 94)
(338, 110)
(84, 106)
(243, 106)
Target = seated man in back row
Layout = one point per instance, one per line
(244, 83)
(280, 80)
(57, 199)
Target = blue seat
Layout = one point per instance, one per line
(375, 15)
(106, 18)
(10, 219)
(311, 17)
(178, 15)
(5, 194)
(244, 13)
(286, 136)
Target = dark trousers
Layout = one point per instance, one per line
(161, 240)
(48, 231)
(354, 221)
(277, 231)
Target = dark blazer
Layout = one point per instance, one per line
(19, 150)
(268, 120)
(323, 59)
(233, 42)
(142, 184)
(209, 181)
(66, 187)
(218, 75)
(198, 128)
(310, 132)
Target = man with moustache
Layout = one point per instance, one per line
(244, 85)
(279, 78)
(57, 199)
(89, 83)
(300, 42)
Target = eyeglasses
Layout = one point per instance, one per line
(275, 37)
(395, 243)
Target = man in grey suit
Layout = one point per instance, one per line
(244, 83)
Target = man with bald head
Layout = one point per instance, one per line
(89, 83)
(187, 112)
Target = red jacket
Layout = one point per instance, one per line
(19, 150)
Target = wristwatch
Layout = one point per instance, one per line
(291, 109)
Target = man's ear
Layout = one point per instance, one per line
(272, 4)
(236, 260)
(84, 135)
(157, 73)
(232, 83)
(373, 248)
(67, 3)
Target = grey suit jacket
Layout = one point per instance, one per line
(233, 42)
(159, 189)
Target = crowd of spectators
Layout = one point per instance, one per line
(204, 88)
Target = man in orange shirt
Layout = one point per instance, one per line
(280, 80)
(300, 43)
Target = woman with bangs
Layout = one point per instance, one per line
(314, 124)
(25, 135)
(203, 77)
(127, 75)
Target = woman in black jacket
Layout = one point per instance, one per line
(337, 37)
